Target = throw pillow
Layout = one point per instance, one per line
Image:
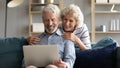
(103, 42)
(96, 58)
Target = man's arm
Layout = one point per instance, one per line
(69, 53)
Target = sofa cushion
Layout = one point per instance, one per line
(11, 52)
(103, 42)
(96, 58)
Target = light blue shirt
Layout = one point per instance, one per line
(66, 47)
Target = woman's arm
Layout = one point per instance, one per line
(75, 39)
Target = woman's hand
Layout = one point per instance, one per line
(74, 38)
(70, 36)
(60, 64)
(33, 39)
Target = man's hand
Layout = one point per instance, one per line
(33, 39)
(60, 64)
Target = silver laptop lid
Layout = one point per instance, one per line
(40, 55)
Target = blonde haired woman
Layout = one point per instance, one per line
(74, 27)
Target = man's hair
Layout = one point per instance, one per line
(75, 11)
(51, 8)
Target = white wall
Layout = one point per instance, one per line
(2, 18)
(16, 21)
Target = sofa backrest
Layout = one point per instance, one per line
(11, 54)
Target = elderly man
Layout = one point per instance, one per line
(52, 35)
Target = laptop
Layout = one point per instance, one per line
(40, 55)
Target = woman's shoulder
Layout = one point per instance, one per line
(81, 29)
(83, 26)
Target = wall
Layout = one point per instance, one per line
(17, 25)
(18, 18)
(2, 18)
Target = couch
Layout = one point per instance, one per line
(11, 55)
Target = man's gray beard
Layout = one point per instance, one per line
(50, 31)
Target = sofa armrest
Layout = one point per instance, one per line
(11, 54)
(118, 57)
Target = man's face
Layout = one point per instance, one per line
(51, 22)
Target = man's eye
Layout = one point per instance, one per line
(65, 19)
(53, 19)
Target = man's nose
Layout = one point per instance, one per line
(50, 22)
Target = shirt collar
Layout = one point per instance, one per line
(58, 32)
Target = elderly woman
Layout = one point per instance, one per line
(74, 28)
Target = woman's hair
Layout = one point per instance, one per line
(51, 8)
(76, 13)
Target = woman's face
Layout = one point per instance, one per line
(69, 23)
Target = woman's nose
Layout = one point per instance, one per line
(67, 23)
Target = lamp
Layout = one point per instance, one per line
(14, 3)
(10, 4)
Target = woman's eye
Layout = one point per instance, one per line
(71, 20)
